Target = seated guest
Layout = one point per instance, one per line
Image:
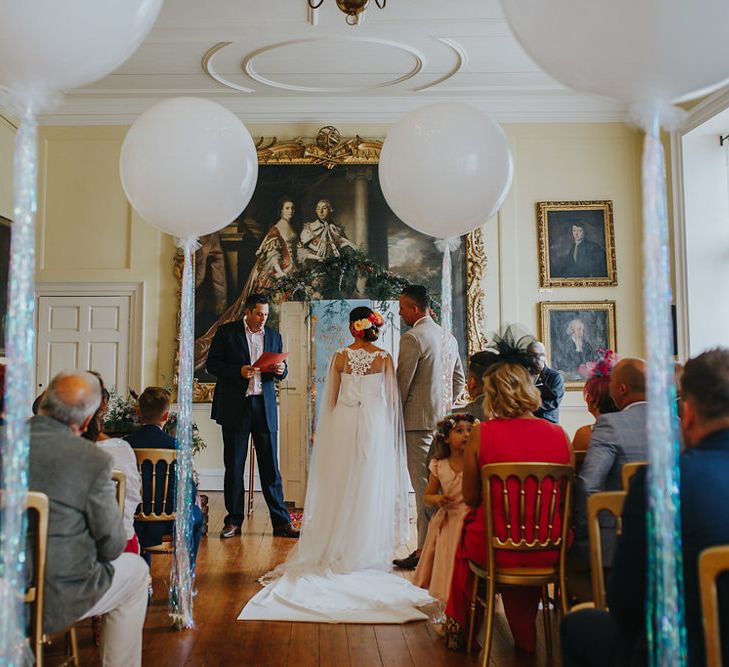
(123, 459)
(617, 637)
(87, 573)
(511, 434)
(477, 365)
(549, 382)
(154, 411)
(617, 438)
(597, 396)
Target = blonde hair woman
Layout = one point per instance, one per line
(511, 434)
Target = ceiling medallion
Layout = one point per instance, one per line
(352, 8)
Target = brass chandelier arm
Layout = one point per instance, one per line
(313, 6)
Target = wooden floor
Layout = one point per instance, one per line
(226, 578)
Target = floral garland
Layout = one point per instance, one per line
(340, 277)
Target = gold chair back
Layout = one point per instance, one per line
(153, 457)
(712, 562)
(120, 483)
(628, 470)
(606, 501)
(549, 504)
(579, 455)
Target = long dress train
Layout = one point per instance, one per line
(356, 508)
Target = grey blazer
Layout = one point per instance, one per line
(85, 530)
(419, 375)
(617, 438)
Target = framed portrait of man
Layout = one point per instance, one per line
(574, 333)
(4, 272)
(576, 244)
(313, 201)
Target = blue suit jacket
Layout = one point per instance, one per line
(704, 523)
(228, 352)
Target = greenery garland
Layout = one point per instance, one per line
(345, 276)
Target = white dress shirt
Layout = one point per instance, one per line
(255, 346)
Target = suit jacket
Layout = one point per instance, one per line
(590, 261)
(704, 523)
(551, 386)
(228, 352)
(419, 373)
(617, 438)
(85, 528)
(475, 408)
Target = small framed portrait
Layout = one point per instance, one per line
(574, 333)
(576, 244)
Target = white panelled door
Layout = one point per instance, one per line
(84, 332)
(294, 403)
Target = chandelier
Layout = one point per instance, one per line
(352, 8)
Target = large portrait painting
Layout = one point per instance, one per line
(574, 333)
(312, 201)
(4, 273)
(576, 244)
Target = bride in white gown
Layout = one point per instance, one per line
(356, 507)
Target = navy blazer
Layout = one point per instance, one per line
(704, 523)
(228, 352)
(551, 387)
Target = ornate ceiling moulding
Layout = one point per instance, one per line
(329, 150)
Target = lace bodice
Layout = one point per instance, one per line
(360, 362)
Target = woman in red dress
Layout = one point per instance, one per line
(511, 434)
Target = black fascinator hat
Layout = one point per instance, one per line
(514, 349)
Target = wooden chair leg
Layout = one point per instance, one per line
(472, 615)
(547, 618)
(490, 603)
(251, 478)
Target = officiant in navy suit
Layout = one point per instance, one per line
(244, 404)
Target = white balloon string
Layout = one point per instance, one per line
(664, 609)
(446, 319)
(19, 345)
(181, 588)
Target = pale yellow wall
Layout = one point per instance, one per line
(7, 142)
(88, 233)
(564, 163)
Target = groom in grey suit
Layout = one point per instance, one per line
(419, 380)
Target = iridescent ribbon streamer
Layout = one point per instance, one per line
(664, 609)
(183, 579)
(19, 345)
(446, 246)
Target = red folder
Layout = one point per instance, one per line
(266, 361)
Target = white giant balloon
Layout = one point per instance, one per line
(52, 45)
(188, 166)
(445, 169)
(637, 51)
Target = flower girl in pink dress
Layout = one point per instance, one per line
(444, 491)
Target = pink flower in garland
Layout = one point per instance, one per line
(600, 368)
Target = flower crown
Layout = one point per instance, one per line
(445, 426)
(374, 319)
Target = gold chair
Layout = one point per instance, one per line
(153, 457)
(120, 483)
(628, 470)
(606, 501)
(38, 505)
(554, 504)
(712, 562)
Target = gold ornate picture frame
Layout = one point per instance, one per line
(574, 332)
(576, 244)
(359, 156)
